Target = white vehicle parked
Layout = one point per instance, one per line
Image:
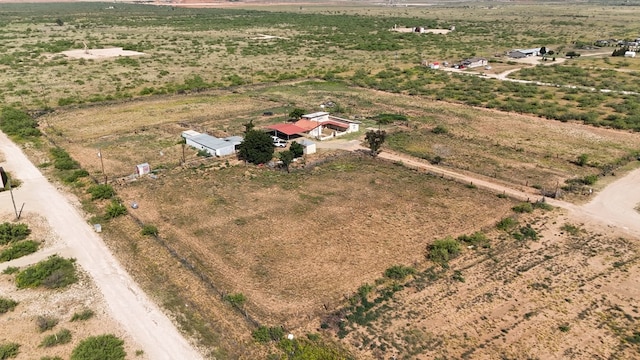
(279, 143)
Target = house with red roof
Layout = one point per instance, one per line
(319, 125)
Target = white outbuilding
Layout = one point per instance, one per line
(211, 144)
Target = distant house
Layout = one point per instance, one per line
(434, 65)
(319, 125)
(211, 144)
(631, 54)
(522, 53)
(474, 62)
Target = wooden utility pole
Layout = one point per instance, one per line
(102, 165)
(15, 209)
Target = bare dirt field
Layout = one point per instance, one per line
(99, 53)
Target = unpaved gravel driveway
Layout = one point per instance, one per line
(127, 303)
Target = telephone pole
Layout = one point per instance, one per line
(102, 165)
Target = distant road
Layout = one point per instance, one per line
(128, 304)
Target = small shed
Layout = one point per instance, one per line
(308, 146)
(630, 54)
(212, 145)
(143, 169)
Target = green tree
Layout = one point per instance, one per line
(248, 126)
(297, 149)
(375, 139)
(257, 147)
(297, 113)
(543, 50)
(582, 160)
(572, 54)
(286, 157)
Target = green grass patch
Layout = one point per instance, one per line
(102, 347)
(9, 350)
(13, 232)
(399, 272)
(61, 337)
(7, 305)
(443, 250)
(11, 270)
(83, 315)
(19, 249)
(55, 272)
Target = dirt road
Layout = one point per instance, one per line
(127, 303)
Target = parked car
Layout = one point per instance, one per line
(279, 143)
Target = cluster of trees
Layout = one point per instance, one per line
(620, 51)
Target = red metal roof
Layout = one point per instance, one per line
(287, 129)
(307, 125)
(336, 123)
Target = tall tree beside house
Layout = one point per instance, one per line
(248, 126)
(297, 149)
(296, 113)
(543, 50)
(375, 139)
(257, 147)
(286, 157)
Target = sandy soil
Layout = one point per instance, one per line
(99, 53)
(134, 313)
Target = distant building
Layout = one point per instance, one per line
(212, 145)
(319, 125)
(522, 53)
(631, 54)
(474, 62)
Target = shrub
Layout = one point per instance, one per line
(75, 175)
(55, 272)
(18, 123)
(441, 251)
(265, 334)
(115, 209)
(83, 315)
(51, 358)
(11, 270)
(61, 337)
(46, 323)
(236, 299)
(440, 129)
(399, 272)
(526, 233)
(102, 347)
(9, 350)
(506, 224)
(13, 232)
(542, 205)
(476, 238)
(7, 305)
(102, 191)
(582, 160)
(571, 229)
(149, 230)
(62, 160)
(523, 208)
(19, 249)
(297, 149)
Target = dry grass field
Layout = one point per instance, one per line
(297, 245)
(302, 247)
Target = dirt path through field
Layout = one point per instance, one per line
(127, 303)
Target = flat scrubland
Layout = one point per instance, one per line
(308, 250)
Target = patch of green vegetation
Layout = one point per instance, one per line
(237, 299)
(305, 349)
(264, 334)
(399, 272)
(525, 233)
(61, 337)
(15, 122)
(19, 249)
(13, 232)
(443, 250)
(11, 270)
(9, 350)
(149, 230)
(477, 239)
(524, 207)
(55, 272)
(46, 322)
(62, 160)
(571, 229)
(101, 191)
(386, 118)
(507, 224)
(102, 347)
(83, 315)
(7, 305)
(115, 209)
